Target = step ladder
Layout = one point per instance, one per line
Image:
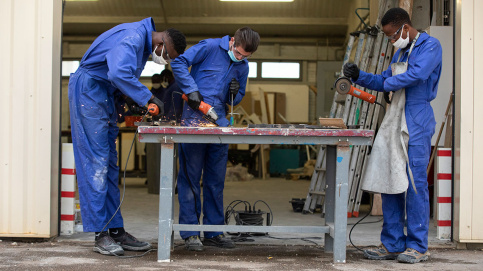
(316, 193)
(373, 45)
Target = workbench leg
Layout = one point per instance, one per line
(330, 196)
(166, 206)
(337, 175)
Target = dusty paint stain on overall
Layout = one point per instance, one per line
(99, 178)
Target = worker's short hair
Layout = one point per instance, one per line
(167, 74)
(247, 38)
(396, 17)
(178, 39)
(156, 78)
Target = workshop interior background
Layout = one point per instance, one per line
(300, 56)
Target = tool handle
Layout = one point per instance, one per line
(153, 109)
(362, 95)
(204, 107)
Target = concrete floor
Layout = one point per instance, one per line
(279, 251)
(140, 212)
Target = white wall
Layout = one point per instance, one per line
(445, 36)
(29, 106)
(468, 214)
(297, 99)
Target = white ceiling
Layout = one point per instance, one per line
(299, 21)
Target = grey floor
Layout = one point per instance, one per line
(140, 213)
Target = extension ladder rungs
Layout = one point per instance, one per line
(341, 99)
(320, 193)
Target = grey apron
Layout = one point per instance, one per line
(386, 166)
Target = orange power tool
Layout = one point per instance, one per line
(153, 109)
(344, 86)
(206, 109)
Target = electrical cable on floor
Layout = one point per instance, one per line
(250, 216)
(359, 222)
(122, 199)
(368, 222)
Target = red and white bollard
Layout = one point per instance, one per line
(67, 194)
(443, 193)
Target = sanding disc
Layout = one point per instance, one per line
(343, 85)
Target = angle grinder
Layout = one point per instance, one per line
(344, 86)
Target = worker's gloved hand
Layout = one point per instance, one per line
(234, 87)
(159, 103)
(194, 100)
(352, 71)
(133, 107)
(386, 97)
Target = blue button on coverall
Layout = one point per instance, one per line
(421, 84)
(211, 73)
(114, 61)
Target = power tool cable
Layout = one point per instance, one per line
(359, 222)
(122, 199)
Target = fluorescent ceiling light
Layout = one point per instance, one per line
(256, 0)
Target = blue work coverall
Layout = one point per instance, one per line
(211, 73)
(421, 84)
(114, 61)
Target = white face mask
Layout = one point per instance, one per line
(401, 43)
(164, 84)
(156, 85)
(159, 59)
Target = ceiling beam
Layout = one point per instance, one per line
(265, 40)
(209, 20)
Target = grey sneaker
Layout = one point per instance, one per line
(193, 243)
(380, 253)
(219, 241)
(412, 256)
(129, 242)
(107, 246)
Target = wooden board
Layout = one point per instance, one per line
(332, 122)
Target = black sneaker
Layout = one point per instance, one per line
(219, 241)
(107, 246)
(193, 243)
(129, 242)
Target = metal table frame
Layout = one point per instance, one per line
(337, 170)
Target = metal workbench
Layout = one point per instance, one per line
(337, 169)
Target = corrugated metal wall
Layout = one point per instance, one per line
(30, 117)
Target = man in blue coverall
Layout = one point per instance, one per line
(421, 84)
(214, 64)
(173, 103)
(114, 62)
